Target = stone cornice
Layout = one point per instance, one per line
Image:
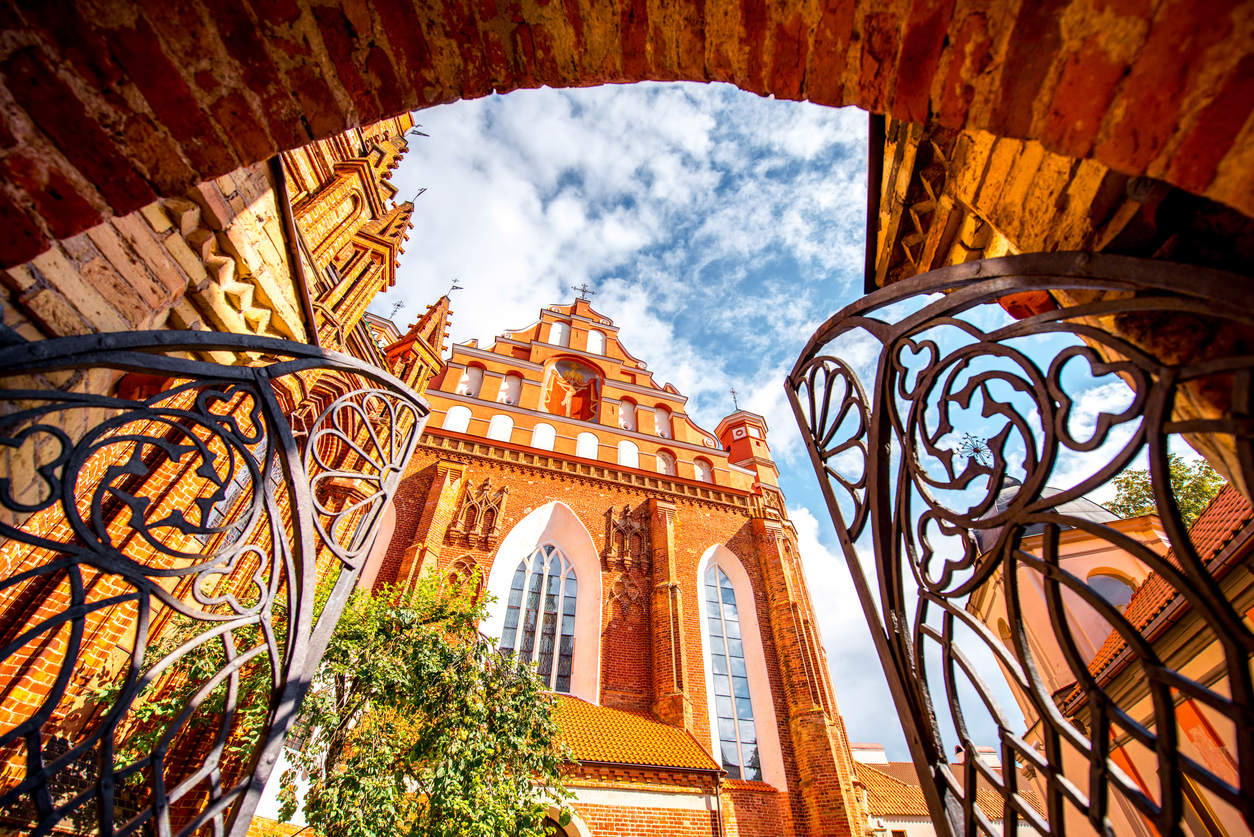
(448, 446)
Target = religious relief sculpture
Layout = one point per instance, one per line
(478, 520)
(626, 540)
(573, 390)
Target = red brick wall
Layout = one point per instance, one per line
(111, 104)
(443, 468)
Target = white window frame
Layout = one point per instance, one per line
(770, 754)
(554, 523)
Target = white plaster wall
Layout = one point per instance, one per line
(554, 523)
(764, 722)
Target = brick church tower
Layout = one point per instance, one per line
(647, 566)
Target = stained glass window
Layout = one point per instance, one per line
(540, 615)
(738, 738)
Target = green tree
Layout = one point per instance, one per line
(416, 725)
(1193, 486)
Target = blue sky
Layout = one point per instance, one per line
(719, 229)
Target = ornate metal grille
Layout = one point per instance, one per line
(955, 448)
(174, 563)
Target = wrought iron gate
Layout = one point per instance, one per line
(173, 564)
(955, 448)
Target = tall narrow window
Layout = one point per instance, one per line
(540, 616)
(738, 739)
(662, 421)
(559, 334)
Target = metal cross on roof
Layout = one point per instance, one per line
(396, 306)
(734, 401)
(583, 289)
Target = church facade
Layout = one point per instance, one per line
(647, 566)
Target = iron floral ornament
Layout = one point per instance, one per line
(965, 557)
(174, 563)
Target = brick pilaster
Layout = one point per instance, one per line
(822, 752)
(423, 553)
(672, 702)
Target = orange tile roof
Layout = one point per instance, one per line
(599, 733)
(889, 797)
(1213, 530)
(893, 791)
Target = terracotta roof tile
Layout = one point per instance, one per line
(599, 733)
(1214, 529)
(889, 797)
(893, 790)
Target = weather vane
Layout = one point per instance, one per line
(396, 306)
(583, 289)
(419, 195)
(456, 287)
(734, 401)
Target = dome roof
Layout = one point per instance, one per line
(1081, 507)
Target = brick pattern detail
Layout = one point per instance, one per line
(110, 105)
(213, 260)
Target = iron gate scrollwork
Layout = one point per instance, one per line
(955, 448)
(174, 563)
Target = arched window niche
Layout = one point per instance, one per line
(554, 524)
(704, 470)
(596, 342)
(511, 390)
(587, 446)
(662, 422)
(627, 414)
(457, 419)
(543, 436)
(666, 463)
(471, 381)
(765, 727)
(501, 428)
(628, 454)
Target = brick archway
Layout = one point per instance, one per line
(111, 104)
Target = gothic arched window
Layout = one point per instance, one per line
(738, 740)
(540, 615)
